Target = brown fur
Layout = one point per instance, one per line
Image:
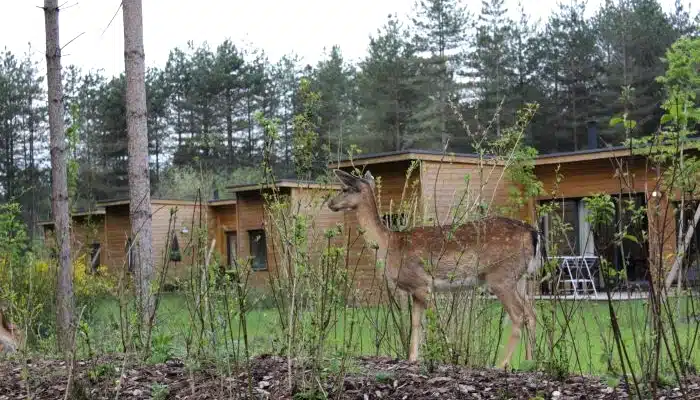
(9, 335)
(497, 251)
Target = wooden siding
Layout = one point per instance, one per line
(85, 230)
(251, 215)
(583, 178)
(187, 221)
(222, 219)
(117, 228)
(444, 186)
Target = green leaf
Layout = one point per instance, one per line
(616, 121)
(631, 237)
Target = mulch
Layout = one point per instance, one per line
(371, 378)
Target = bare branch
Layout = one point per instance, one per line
(71, 41)
(113, 16)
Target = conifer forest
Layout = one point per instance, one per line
(421, 74)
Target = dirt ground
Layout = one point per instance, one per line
(371, 378)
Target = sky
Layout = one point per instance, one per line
(279, 27)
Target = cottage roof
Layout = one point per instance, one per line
(283, 183)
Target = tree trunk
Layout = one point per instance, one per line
(681, 252)
(59, 178)
(139, 180)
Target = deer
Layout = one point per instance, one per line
(10, 335)
(495, 251)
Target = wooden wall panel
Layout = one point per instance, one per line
(251, 215)
(222, 219)
(117, 230)
(445, 188)
(187, 223)
(84, 231)
(584, 178)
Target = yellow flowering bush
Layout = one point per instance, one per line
(91, 284)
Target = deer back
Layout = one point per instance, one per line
(459, 255)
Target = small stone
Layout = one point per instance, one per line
(466, 388)
(137, 392)
(439, 379)
(264, 384)
(556, 393)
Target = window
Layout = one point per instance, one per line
(175, 250)
(395, 222)
(130, 255)
(576, 237)
(258, 249)
(95, 256)
(565, 227)
(230, 247)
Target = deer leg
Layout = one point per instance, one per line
(510, 300)
(419, 305)
(530, 319)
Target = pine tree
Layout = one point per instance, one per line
(572, 68)
(633, 37)
(387, 92)
(59, 182)
(334, 80)
(440, 36)
(139, 179)
(492, 66)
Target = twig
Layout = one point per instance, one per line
(112, 20)
(71, 357)
(72, 40)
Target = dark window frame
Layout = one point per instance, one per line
(95, 256)
(175, 254)
(259, 260)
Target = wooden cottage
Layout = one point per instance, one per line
(105, 233)
(415, 188)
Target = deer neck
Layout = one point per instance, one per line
(375, 230)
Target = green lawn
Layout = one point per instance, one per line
(583, 347)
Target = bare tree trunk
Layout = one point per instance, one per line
(682, 250)
(139, 180)
(59, 185)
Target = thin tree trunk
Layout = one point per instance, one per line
(139, 180)
(59, 186)
(684, 249)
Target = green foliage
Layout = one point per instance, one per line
(28, 279)
(601, 209)
(305, 149)
(161, 348)
(184, 182)
(159, 391)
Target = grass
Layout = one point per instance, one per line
(586, 347)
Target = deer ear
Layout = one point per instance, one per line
(345, 178)
(370, 179)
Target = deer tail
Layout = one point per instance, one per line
(539, 255)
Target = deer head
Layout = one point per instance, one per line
(355, 191)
